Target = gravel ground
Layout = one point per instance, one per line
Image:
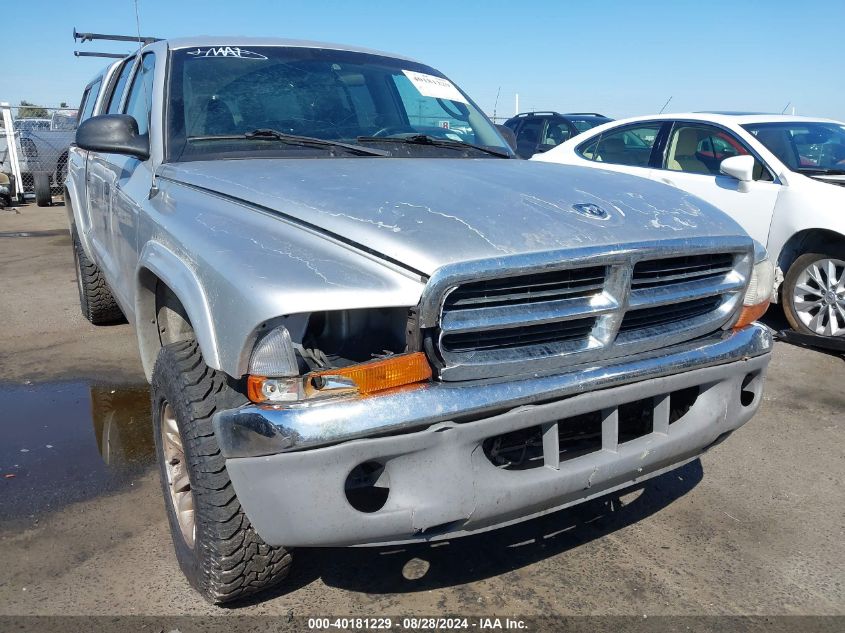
(755, 527)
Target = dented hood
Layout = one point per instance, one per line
(424, 213)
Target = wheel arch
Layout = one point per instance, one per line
(808, 241)
(170, 305)
(76, 217)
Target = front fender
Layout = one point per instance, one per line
(77, 211)
(804, 206)
(178, 276)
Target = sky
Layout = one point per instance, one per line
(619, 58)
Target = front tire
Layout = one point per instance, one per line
(218, 550)
(813, 295)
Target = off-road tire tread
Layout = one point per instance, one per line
(95, 297)
(234, 562)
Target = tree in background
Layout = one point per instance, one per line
(31, 111)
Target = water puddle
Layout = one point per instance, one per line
(64, 442)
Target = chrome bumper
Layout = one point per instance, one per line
(252, 430)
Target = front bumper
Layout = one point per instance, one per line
(441, 482)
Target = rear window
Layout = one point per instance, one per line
(628, 146)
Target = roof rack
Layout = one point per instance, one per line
(90, 37)
(536, 112)
(586, 114)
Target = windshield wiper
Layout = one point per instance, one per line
(821, 171)
(295, 139)
(425, 139)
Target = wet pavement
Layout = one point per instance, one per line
(64, 442)
(756, 526)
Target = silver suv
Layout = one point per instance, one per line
(365, 322)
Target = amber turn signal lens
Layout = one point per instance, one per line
(387, 373)
(750, 314)
(254, 388)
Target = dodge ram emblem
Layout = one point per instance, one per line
(591, 210)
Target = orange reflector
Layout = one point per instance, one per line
(387, 373)
(750, 314)
(254, 388)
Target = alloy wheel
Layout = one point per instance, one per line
(819, 297)
(178, 482)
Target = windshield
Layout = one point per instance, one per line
(813, 147)
(219, 97)
(582, 124)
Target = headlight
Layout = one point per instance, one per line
(368, 348)
(274, 355)
(759, 291)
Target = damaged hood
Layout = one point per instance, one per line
(424, 213)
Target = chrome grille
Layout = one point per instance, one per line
(539, 312)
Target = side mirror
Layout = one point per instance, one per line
(739, 167)
(508, 135)
(114, 134)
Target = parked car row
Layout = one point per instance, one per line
(362, 328)
(781, 177)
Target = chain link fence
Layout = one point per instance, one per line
(34, 143)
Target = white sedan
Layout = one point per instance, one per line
(781, 177)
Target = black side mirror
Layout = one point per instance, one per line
(115, 134)
(508, 135)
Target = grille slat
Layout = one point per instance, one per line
(519, 336)
(533, 288)
(666, 314)
(657, 272)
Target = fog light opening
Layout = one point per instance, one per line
(748, 390)
(367, 487)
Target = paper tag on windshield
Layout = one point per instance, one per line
(436, 87)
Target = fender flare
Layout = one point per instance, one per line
(76, 217)
(169, 268)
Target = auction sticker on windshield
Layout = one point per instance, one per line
(436, 87)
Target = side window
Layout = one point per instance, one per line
(86, 108)
(139, 101)
(531, 131)
(629, 146)
(700, 149)
(120, 86)
(556, 133)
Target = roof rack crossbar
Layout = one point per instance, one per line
(93, 54)
(586, 114)
(90, 37)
